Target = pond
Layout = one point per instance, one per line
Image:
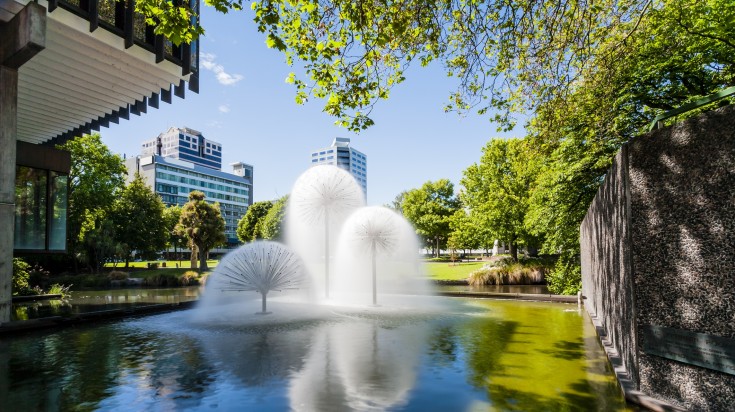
(472, 355)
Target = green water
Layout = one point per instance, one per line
(471, 355)
(535, 356)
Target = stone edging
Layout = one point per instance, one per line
(621, 374)
(519, 296)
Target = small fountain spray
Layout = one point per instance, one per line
(375, 229)
(324, 196)
(261, 266)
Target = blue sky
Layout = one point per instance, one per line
(245, 104)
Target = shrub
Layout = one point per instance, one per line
(20, 277)
(118, 275)
(189, 278)
(57, 289)
(161, 279)
(507, 272)
(566, 278)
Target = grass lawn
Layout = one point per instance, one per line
(451, 271)
(153, 272)
(184, 264)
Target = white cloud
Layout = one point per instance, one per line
(224, 78)
(224, 108)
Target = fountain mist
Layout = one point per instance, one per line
(378, 250)
(320, 201)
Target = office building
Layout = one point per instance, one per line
(341, 154)
(173, 179)
(185, 144)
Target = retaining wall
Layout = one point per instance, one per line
(658, 250)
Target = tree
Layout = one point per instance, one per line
(249, 227)
(272, 223)
(429, 209)
(203, 225)
(505, 55)
(396, 203)
(497, 190)
(465, 234)
(95, 180)
(138, 218)
(176, 240)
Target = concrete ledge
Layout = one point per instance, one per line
(9, 328)
(519, 296)
(626, 383)
(32, 298)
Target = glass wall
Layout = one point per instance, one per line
(40, 209)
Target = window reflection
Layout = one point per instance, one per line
(30, 208)
(40, 209)
(57, 222)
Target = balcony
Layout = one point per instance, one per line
(101, 63)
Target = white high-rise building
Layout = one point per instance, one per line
(341, 154)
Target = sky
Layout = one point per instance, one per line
(245, 104)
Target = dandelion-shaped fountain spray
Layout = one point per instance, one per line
(322, 197)
(376, 229)
(261, 266)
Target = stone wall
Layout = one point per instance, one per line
(658, 248)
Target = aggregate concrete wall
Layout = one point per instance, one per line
(607, 267)
(678, 243)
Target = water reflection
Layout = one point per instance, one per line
(478, 354)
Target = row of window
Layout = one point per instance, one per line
(203, 185)
(202, 176)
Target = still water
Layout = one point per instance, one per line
(473, 355)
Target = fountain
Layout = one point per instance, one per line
(321, 199)
(261, 266)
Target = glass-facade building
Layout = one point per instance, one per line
(185, 144)
(173, 180)
(342, 155)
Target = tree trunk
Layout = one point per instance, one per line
(514, 249)
(193, 256)
(202, 260)
(437, 247)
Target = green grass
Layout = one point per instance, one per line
(451, 271)
(184, 264)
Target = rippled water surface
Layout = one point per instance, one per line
(471, 355)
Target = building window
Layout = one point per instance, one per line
(40, 209)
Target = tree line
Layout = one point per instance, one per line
(110, 220)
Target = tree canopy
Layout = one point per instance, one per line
(272, 224)
(430, 208)
(96, 178)
(497, 190)
(250, 226)
(138, 219)
(203, 224)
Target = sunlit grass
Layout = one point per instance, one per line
(451, 271)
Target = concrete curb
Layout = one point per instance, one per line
(15, 327)
(627, 385)
(519, 296)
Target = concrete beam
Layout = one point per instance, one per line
(23, 36)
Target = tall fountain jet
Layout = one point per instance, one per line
(261, 266)
(378, 251)
(321, 200)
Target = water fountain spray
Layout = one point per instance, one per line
(375, 229)
(322, 196)
(261, 266)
